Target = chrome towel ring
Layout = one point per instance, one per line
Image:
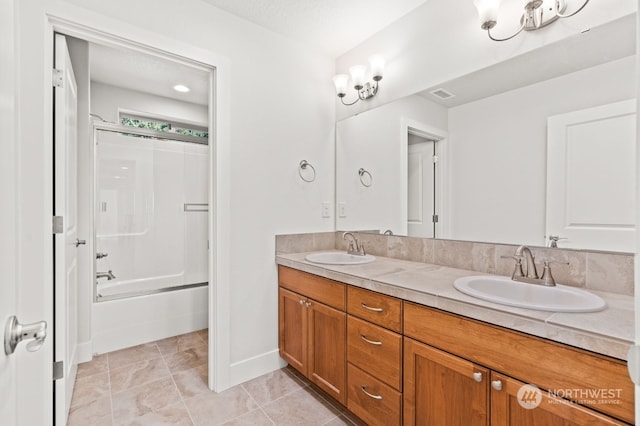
(365, 177)
(303, 166)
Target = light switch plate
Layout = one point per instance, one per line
(342, 209)
(326, 209)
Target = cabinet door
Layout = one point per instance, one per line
(533, 407)
(292, 322)
(442, 389)
(327, 349)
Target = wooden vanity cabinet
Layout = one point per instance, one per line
(444, 352)
(312, 329)
(374, 355)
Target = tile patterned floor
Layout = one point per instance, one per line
(164, 383)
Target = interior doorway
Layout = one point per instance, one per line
(129, 100)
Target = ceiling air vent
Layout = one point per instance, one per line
(442, 93)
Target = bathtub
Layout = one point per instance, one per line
(125, 322)
(117, 289)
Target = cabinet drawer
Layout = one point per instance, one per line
(371, 400)
(375, 307)
(323, 290)
(547, 364)
(375, 350)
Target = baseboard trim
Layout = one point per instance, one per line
(256, 366)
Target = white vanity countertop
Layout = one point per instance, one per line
(608, 332)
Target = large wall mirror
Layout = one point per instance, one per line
(540, 145)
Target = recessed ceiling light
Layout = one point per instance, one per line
(181, 88)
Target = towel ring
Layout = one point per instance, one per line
(362, 172)
(303, 166)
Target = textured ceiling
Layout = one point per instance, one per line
(146, 73)
(332, 26)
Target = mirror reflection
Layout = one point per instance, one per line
(537, 150)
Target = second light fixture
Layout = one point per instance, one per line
(358, 73)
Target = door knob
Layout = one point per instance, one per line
(80, 242)
(14, 333)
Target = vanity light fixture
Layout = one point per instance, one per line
(537, 14)
(365, 89)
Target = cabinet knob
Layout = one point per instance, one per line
(477, 377)
(308, 304)
(301, 302)
(496, 384)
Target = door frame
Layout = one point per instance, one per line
(216, 65)
(442, 200)
(36, 24)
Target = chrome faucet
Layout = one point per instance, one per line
(354, 247)
(108, 275)
(531, 276)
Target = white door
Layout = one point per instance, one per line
(420, 188)
(66, 243)
(591, 177)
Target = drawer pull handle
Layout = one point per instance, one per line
(497, 385)
(364, 389)
(477, 377)
(371, 309)
(373, 342)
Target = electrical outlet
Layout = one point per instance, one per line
(342, 209)
(326, 209)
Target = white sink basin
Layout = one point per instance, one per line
(338, 258)
(505, 291)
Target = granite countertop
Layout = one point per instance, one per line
(608, 332)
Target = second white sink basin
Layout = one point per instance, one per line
(505, 291)
(339, 258)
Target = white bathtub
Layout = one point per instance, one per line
(122, 323)
(107, 290)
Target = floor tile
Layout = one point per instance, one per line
(204, 335)
(132, 355)
(271, 386)
(304, 407)
(192, 382)
(339, 421)
(217, 408)
(180, 343)
(137, 374)
(255, 417)
(99, 364)
(94, 413)
(174, 415)
(143, 399)
(186, 360)
(90, 388)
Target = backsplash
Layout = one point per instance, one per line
(594, 270)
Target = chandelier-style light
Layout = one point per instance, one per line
(537, 14)
(358, 73)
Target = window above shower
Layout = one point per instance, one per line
(162, 124)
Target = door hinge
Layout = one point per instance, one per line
(435, 159)
(434, 218)
(58, 225)
(58, 370)
(58, 78)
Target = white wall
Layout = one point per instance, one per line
(442, 40)
(107, 100)
(498, 152)
(374, 141)
(280, 110)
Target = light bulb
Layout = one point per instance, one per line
(341, 81)
(357, 76)
(487, 12)
(376, 62)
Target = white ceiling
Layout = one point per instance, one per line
(147, 73)
(332, 26)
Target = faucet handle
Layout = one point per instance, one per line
(547, 277)
(517, 270)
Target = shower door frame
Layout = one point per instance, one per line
(100, 29)
(107, 126)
